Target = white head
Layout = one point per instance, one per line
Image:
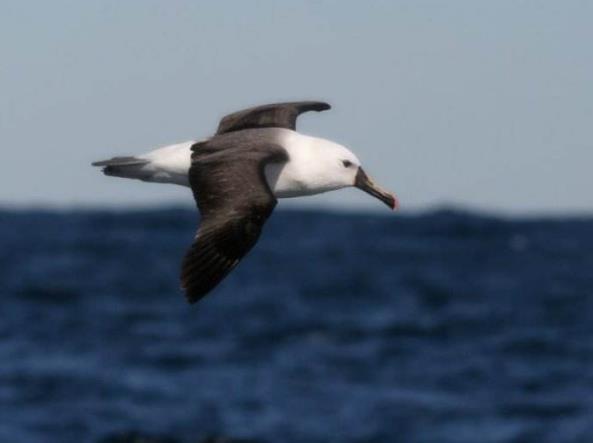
(330, 165)
(317, 165)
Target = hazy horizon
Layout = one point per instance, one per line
(475, 105)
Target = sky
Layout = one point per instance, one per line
(474, 104)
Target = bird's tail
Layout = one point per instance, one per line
(126, 167)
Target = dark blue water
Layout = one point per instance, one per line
(445, 328)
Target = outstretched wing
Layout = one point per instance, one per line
(235, 201)
(278, 115)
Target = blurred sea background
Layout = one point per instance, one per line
(444, 326)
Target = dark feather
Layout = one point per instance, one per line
(229, 186)
(121, 161)
(278, 115)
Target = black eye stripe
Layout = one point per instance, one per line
(346, 163)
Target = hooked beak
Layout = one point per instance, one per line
(364, 182)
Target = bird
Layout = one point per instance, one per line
(237, 176)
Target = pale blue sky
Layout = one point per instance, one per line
(483, 104)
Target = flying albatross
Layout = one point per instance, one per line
(255, 157)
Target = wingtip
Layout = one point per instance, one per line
(321, 106)
(190, 298)
(190, 293)
(191, 301)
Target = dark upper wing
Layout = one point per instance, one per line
(235, 201)
(278, 115)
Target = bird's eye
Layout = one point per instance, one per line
(346, 163)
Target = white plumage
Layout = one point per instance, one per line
(315, 165)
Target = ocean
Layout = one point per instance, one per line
(444, 327)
